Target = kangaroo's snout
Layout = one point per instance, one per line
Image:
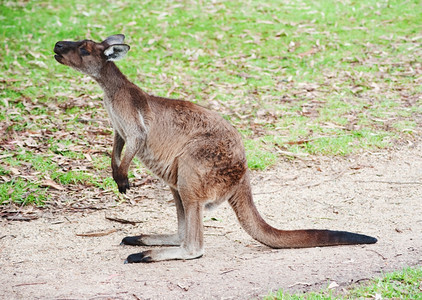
(62, 47)
(58, 47)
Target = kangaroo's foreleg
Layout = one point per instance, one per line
(192, 245)
(120, 175)
(118, 144)
(162, 239)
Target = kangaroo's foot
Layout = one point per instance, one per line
(163, 254)
(152, 240)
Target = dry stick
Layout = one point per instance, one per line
(296, 155)
(124, 221)
(22, 218)
(98, 233)
(227, 271)
(382, 256)
(32, 283)
(136, 297)
(389, 182)
(300, 283)
(362, 279)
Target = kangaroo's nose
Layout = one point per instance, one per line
(62, 47)
(59, 45)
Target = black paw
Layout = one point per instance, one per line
(132, 241)
(138, 258)
(123, 186)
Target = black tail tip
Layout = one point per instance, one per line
(356, 238)
(369, 240)
(349, 238)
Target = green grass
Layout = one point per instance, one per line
(300, 77)
(259, 157)
(406, 284)
(22, 192)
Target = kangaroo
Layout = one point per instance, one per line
(194, 150)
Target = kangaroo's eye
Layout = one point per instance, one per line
(84, 52)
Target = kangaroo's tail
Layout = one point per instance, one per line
(255, 226)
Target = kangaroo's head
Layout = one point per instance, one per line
(88, 56)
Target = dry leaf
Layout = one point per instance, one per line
(30, 142)
(52, 184)
(308, 53)
(333, 285)
(14, 170)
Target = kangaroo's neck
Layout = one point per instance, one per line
(111, 79)
(118, 88)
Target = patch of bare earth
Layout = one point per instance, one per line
(76, 255)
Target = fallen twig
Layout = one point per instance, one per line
(136, 297)
(17, 216)
(30, 283)
(227, 271)
(382, 256)
(124, 221)
(300, 283)
(388, 182)
(362, 279)
(97, 233)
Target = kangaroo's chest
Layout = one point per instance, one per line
(128, 123)
(117, 122)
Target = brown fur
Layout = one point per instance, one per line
(194, 150)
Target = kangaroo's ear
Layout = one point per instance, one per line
(114, 39)
(116, 52)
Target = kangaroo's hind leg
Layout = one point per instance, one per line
(192, 245)
(162, 239)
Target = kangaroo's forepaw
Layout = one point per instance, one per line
(123, 185)
(142, 257)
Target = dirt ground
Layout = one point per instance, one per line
(76, 255)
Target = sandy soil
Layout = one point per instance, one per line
(378, 194)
